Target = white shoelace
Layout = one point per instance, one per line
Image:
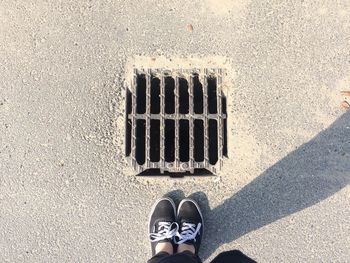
(189, 232)
(165, 230)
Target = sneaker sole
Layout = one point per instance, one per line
(197, 206)
(154, 207)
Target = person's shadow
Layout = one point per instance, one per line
(306, 176)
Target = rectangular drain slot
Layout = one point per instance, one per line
(213, 141)
(212, 96)
(169, 95)
(183, 97)
(176, 121)
(141, 94)
(198, 141)
(128, 138)
(140, 141)
(197, 96)
(155, 134)
(184, 141)
(155, 96)
(169, 141)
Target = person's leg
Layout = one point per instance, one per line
(158, 257)
(162, 229)
(191, 223)
(233, 256)
(184, 257)
(162, 250)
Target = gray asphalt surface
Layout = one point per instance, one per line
(66, 191)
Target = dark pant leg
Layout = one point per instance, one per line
(185, 257)
(157, 257)
(233, 256)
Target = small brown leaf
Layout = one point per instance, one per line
(345, 93)
(345, 105)
(190, 27)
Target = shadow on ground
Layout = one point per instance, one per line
(318, 168)
(308, 175)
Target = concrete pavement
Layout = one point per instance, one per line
(66, 192)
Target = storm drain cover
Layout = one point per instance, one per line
(176, 121)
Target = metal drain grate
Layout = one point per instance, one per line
(176, 121)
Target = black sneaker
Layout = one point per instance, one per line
(190, 220)
(162, 222)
